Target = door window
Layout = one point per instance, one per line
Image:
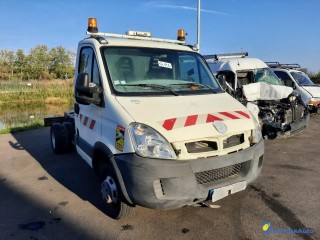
(88, 64)
(284, 77)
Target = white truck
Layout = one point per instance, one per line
(293, 77)
(155, 125)
(279, 109)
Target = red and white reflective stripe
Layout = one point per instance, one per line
(186, 121)
(87, 120)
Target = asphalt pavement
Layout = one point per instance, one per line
(48, 196)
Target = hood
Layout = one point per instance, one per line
(265, 91)
(180, 118)
(313, 90)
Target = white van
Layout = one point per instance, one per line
(155, 125)
(279, 108)
(293, 77)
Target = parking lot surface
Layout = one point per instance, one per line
(47, 196)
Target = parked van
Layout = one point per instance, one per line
(293, 77)
(279, 108)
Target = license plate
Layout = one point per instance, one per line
(217, 194)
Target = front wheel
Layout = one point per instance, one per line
(111, 192)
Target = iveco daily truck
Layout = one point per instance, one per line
(154, 124)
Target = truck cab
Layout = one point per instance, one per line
(279, 109)
(292, 76)
(155, 125)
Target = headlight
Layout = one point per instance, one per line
(292, 98)
(149, 143)
(256, 135)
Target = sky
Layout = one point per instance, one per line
(286, 31)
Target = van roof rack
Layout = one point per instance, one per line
(283, 65)
(136, 35)
(225, 55)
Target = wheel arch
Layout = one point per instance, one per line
(102, 153)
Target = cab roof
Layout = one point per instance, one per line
(98, 42)
(236, 64)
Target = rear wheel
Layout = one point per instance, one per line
(69, 135)
(111, 192)
(58, 140)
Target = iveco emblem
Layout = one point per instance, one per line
(220, 126)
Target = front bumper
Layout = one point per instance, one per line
(169, 184)
(296, 127)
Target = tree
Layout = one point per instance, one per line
(38, 62)
(7, 59)
(61, 65)
(20, 63)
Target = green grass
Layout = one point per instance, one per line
(37, 92)
(34, 125)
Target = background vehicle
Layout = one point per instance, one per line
(291, 76)
(143, 122)
(279, 108)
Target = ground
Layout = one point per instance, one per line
(47, 196)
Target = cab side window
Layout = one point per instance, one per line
(88, 64)
(285, 78)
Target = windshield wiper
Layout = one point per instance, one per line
(155, 86)
(196, 84)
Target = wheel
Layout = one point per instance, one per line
(58, 139)
(69, 135)
(111, 192)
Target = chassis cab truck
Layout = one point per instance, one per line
(153, 122)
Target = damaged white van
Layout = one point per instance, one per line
(155, 125)
(279, 108)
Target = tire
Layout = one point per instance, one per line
(116, 206)
(69, 135)
(58, 139)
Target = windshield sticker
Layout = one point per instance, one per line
(164, 64)
(120, 138)
(123, 82)
(116, 82)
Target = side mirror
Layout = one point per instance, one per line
(222, 81)
(84, 92)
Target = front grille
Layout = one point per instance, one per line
(218, 174)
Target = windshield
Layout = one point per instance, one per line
(302, 78)
(267, 76)
(149, 71)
